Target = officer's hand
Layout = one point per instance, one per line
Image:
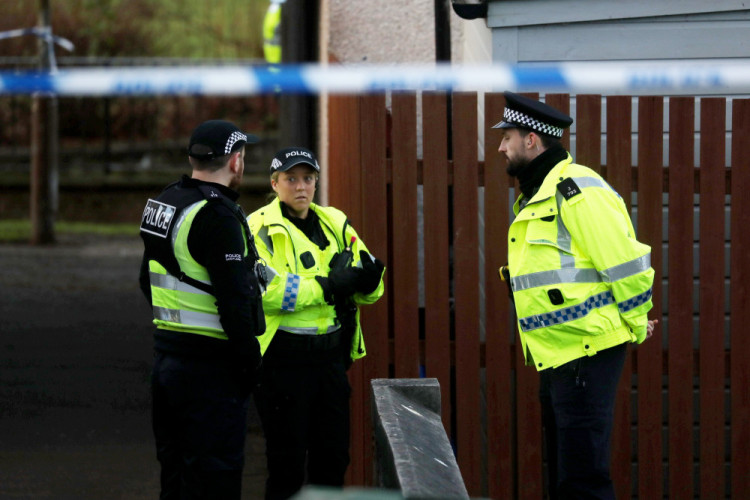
(373, 272)
(327, 289)
(340, 283)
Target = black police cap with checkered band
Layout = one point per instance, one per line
(522, 112)
(217, 138)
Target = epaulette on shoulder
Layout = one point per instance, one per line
(568, 188)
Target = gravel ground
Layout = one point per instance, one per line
(75, 358)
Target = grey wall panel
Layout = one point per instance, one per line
(531, 12)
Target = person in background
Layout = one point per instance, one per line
(319, 273)
(199, 275)
(581, 284)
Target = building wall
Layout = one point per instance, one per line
(384, 32)
(617, 30)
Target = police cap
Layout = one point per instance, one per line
(522, 112)
(217, 138)
(289, 157)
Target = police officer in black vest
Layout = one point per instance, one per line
(201, 275)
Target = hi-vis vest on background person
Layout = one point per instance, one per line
(272, 32)
(181, 290)
(581, 281)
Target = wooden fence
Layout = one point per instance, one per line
(683, 411)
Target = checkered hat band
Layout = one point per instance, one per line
(236, 136)
(518, 118)
(567, 314)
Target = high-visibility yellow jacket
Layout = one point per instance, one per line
(272, 33)
(294, 300)
(581, 281)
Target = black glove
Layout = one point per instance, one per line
(504, 274)
(373, 272)
(340, 283)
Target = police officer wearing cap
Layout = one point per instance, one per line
(319, 273)
(581, 284)
(198, 273)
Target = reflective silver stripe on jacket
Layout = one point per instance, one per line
(311, 330)
(564, 240)
(181, 219)
(585, 182)
(575, 275)
(188, 318)
(270, 273)
(627, 269)
(169, 282)
(545, 278)
(266, 239)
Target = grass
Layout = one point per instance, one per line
(20, 229)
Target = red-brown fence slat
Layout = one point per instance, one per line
(528, 422)
(650, 181)
(740, 300)
(620, 176)
(589, 131)
(436, 244)
(712, 194)
(498, 331)
(374, 232)
(404, 261)
(680, 300)
(466, 286)
(560, 102)
(344, 193)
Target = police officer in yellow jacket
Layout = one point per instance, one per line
(581, 284)
(319, 273)
(199, 275)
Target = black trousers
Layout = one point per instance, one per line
(303, 403)
(578, 401)
(200, 422)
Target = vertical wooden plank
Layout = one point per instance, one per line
(344, 182)
(560, 102)
(374, 231)
(680, 300)
(588, 131)
(740, 300)
(344, 192)
(404, 242)
(436, 244)
(650, 180)
(529, 430)
(712, 191)
(528, 423)
(466, 286)
(497, 307)
(620, 176)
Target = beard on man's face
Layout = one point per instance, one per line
(515, 166)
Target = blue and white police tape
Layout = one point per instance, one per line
(575, 78)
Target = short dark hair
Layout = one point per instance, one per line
(212, 164)
(547, 140)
